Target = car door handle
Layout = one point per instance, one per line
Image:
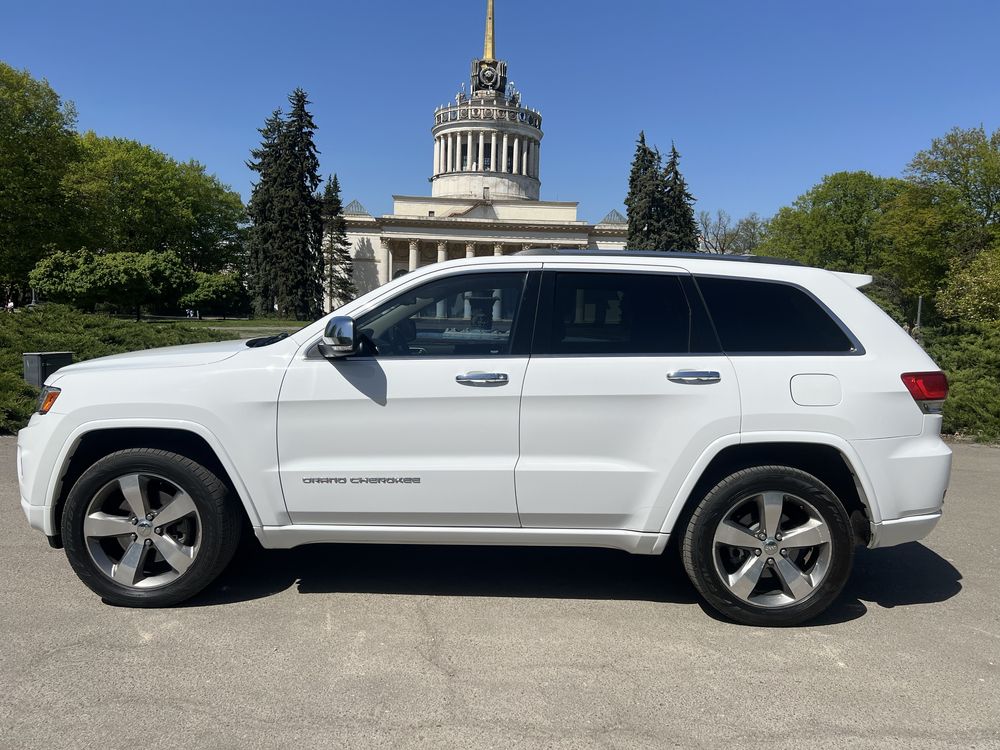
(482, 378)
(694, 376)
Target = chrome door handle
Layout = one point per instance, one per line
(482, 378)
(694, 376)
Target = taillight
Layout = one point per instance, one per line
(929, 389)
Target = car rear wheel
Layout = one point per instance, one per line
(149, 528)
(769, 545)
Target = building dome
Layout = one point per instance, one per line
(486, 145)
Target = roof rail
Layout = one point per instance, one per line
(572, 251)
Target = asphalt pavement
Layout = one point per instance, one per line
(404, 646)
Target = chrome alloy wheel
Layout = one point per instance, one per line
(772, 549)
(142, 530)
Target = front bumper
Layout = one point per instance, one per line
(38, 446)
(39, 517)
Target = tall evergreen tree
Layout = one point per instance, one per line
(265, 161)
(298, 217)
(644, 202)
(678, 230)
(286, 237)
(339, 272)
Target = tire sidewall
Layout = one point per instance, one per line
(186, 476)
(698, 546)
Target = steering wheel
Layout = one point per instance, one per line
(396, 340)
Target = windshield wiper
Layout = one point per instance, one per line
(266, 340)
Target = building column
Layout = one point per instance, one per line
(493, 151)
(470, 252)
(503, 158)
(538, 159)
(517, 155)
(524, 156)
(385, 272)
(442, 305)
(468, 150)
(497, 293)
(482, 152)
(456, 152)
(437, 157)
(414, 254)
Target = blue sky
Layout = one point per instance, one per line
(762, 98)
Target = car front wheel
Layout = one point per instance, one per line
(149, 528)
(769, 545)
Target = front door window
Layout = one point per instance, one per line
(470, 315)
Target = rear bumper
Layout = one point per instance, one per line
(908, 475)
(902, 530)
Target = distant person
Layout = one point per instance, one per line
(10, 305)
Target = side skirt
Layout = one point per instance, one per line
(636, 542)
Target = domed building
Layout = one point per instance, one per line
(485, 188)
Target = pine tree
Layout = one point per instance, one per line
(298, 216)
(678, 230)
(339, 275)
(261, 212)
(644, 202)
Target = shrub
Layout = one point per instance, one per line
(970, 355)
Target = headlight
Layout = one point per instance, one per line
(47, 398)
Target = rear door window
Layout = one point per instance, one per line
(621, 313)
(764, 317)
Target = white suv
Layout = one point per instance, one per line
(764, 416)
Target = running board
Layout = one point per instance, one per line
(636, 542)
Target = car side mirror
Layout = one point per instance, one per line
(338, 339)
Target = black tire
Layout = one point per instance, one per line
(219, 525)
(699, 550)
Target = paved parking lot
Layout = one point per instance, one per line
(354, 646)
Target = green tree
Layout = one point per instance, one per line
(127, 196)
(339, 271)
(678, 228)
(265, 161)
(286, 237)
(222, 293)
(972, 291)
(750, 233)
(644, 202)
(298, 241)
(968, 161)
(833, 224)
(37, 143)
(126, 280)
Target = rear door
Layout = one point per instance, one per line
(626, 387)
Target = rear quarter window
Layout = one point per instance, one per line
(770, 318)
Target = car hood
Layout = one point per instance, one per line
(168, 356)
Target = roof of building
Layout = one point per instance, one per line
(614, 217)
(354, 208)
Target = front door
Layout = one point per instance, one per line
(422, 429)
(625, 389)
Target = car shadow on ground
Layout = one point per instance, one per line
(899, 576)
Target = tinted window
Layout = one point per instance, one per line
(622, 313)
(762, 316)
(466, 315)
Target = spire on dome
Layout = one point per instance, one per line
(489, 47)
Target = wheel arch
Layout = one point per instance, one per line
(92, 441)
(827, 457)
